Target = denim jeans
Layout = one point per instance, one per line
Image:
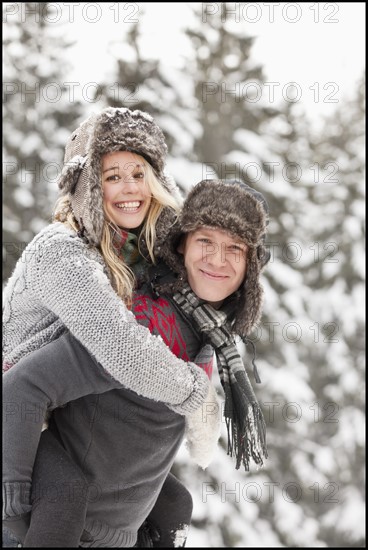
(9, 540)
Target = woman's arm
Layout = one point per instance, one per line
(70, 281)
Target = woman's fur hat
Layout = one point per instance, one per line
(235, 207)
(113, 129)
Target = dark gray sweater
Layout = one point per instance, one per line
(124, 443)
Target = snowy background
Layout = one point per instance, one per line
(272, 94)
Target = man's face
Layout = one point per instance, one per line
(216, 263)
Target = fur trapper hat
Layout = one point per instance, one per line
(114, 129)
(235, 207)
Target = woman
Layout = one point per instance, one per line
(71, 283)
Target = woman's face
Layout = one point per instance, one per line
(127, 197)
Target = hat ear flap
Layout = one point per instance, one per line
(263, 255)
(70, 174)
(165, 223)
(250, 304)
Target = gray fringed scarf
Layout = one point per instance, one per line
(245, 424)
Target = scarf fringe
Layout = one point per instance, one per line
(245, 424)
(246, 430)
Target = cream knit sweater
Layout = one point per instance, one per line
(60, 282)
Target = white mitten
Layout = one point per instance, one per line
(203, 428)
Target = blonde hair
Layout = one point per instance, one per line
(121, 276)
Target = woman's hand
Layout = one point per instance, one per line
(202, 429)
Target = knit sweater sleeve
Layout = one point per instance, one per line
(69, 280)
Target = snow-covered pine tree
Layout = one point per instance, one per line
(336, 304)
(38, 116)
(140, 81)
(228, 88)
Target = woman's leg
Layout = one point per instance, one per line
(50, 377)
(9, 539)
(168, 523)
(59, 498)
